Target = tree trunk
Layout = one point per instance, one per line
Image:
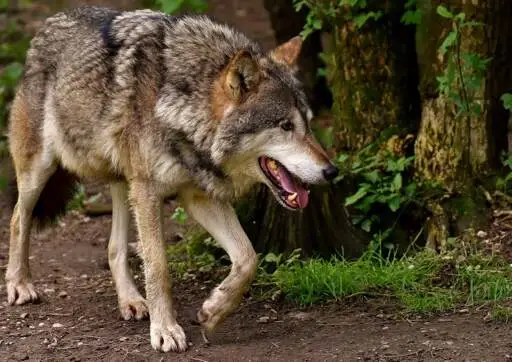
(324, 226)
(373, 76)
(458, 150)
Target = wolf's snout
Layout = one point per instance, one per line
(330, 172)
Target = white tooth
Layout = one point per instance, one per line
(272, 165)
(309, 191)
(292, 197)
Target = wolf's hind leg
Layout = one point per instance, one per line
(31, 182)
(220, 220)
(131, 303)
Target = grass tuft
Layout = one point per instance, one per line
(423, 283)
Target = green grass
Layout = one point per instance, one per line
(501, 314)
(425, 282)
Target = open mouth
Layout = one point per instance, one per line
(291, 191)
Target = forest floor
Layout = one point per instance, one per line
(77, 319)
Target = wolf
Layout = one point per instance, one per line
(157, 106)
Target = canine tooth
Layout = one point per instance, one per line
(272, 164)
(292, 197)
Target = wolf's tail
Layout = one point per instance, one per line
(54, 198)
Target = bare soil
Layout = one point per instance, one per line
(77, 319)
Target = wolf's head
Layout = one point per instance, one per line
(264, 132)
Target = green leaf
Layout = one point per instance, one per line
(198, 6)
(272, 258)
(362, 19)
(179, 215)
(394, 203)
(367, 225)
(366, 203)
(472, 24)
(372, 176)
(317, 24)
(507, 101)
(444, 12)
(356, 219)
(342, 157)
(410, 4)
(397, 182)
(449, 41)
(461, 17)
(325, 136)
(410, 189)
(10, 75)
(170, 6)
(412, 17)
(356, 197)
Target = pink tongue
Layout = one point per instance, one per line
(291, 186)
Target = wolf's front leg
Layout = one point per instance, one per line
(220, 220)
(166, 333)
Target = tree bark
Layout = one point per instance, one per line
(373, 76)
(324, 226)
(458, 151)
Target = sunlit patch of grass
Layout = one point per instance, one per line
(422, 283)
(501, 314)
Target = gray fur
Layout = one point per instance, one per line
(98, 62)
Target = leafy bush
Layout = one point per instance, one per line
(355, 11)
(175, 6)
(13, 47)
(382, 173)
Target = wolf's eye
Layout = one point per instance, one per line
(287, 126)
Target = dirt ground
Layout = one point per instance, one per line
(77, 319)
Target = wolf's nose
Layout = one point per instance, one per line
(330, 172)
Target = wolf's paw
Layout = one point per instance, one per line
(133, 309)
(21, 292)
(168, 337)
(216, 308)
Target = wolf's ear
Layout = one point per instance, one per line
(288, 53)
(242, 76)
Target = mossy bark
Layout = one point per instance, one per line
(456, 151)
(373, 76)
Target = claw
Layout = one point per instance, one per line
(205, 337)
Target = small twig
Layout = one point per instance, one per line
(336, 324)
(59, 314)
(487, 195)
(415, 353)
(72, 347)
(198, 359)
(502, 212)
